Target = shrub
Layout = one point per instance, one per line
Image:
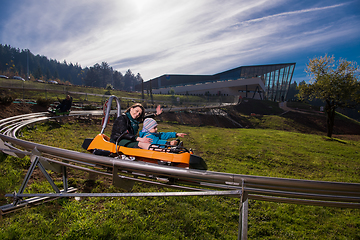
(6, 97)
(6, 100)
(44, 102)
(109, 87)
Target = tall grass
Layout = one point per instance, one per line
(243, 151)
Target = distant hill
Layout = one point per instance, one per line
(16, 62)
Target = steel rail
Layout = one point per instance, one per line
(10, 126)
(9, 208)
(260, 185)
(287, 196)
(303, 201)
(234, 193)
(333, 197)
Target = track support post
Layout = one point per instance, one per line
(123, 183)
(243, 214)
(34, 162)
(65, 179)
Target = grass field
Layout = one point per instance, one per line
(263, 152)
(30, 90)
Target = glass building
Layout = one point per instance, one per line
(276, 80)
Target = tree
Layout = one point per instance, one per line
(105, 74)
(293, 90)
(118, 80)
(92, 76)
(56, 74)
(335, 83)
(98, 75)
(48, 74)
(129, 80)
(38, 73)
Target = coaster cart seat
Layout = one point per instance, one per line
(159, 154)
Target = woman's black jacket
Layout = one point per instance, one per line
(121, 125)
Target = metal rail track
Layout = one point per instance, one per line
(195, 182)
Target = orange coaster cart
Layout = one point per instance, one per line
(159, 154)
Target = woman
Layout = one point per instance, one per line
(129, 122)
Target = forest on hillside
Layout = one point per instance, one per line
(16, 62)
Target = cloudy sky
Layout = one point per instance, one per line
(156, 37)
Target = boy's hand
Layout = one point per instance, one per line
(181, 134)
(144, 139)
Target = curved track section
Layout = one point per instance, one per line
(125, 173)
(10, 126)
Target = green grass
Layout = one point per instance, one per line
(302, 105)
(263, 152)
(51, 91)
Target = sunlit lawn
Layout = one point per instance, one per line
(243, 151)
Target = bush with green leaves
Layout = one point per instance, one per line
(44, 102)
(6, 97)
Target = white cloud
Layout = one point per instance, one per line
(155, 37)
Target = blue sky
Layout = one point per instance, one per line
(156, 37)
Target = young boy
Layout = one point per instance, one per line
(150, 130)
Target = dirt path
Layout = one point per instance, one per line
(283, 105)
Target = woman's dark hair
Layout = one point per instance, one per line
(142, 115)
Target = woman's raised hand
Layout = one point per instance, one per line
(159, 110)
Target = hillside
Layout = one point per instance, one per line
(249, 114)
(232, 149)
(268, 115)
